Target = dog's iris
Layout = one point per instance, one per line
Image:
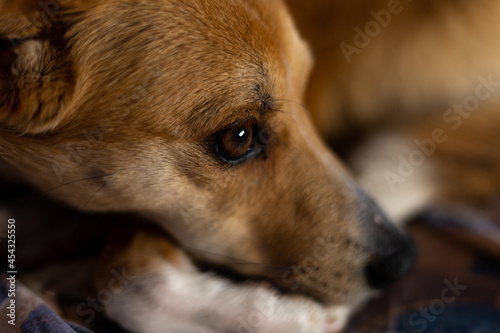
(234, 143)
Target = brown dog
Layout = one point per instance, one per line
(189, 113)
(354, 88)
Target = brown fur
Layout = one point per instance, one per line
(427, 57)
(138, 249)
(467, 164)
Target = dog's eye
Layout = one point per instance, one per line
(235, 143)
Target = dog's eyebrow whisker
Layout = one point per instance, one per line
(93, 195)
(76, 181)
(294, 102)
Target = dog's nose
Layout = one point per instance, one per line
(392, 252)
(382, 271)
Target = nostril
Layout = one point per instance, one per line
(383, 271)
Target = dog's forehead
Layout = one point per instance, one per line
(195, 62)
(221, 68)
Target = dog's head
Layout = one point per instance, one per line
(190, 113)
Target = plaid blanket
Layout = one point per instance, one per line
(21, 311)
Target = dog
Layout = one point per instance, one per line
(191, 114)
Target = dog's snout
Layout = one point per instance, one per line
(383, 270)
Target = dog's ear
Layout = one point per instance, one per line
(36, 76)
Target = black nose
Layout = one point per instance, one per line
(384, 270)
(392, 252)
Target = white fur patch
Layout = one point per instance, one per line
(337, 318)
(176, 300)
(378, 161)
